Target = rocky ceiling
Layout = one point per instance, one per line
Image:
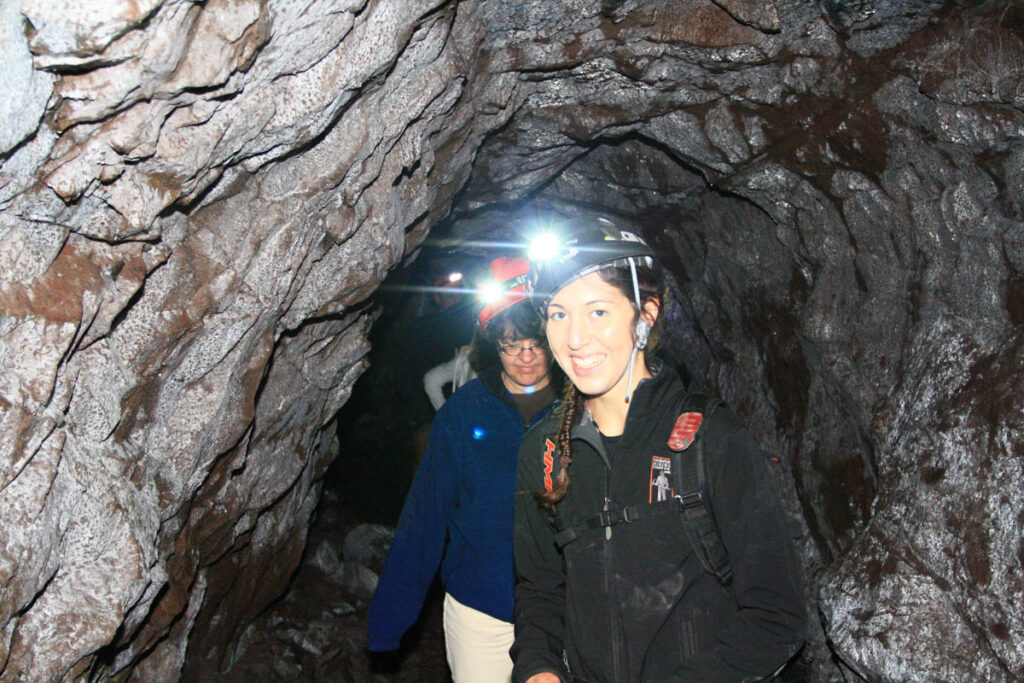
(199, 200)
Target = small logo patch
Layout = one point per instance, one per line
(549, 463)
(661, 488)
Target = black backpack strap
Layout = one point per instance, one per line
(607, 518)
(688, 470)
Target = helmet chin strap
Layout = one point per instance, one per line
(643, 330)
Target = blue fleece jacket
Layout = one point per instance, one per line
(459, 507)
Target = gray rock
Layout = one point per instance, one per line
(356, 580)
(26, 90)
(368, 545)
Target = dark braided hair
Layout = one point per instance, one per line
(651, 286)
(572, 403)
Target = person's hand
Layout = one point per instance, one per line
(546, 677)
(388, 662)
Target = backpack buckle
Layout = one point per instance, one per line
(607, 518)
(690, 500)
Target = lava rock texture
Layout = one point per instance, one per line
(199, 199)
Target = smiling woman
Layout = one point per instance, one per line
(702, 583)
(591, 328)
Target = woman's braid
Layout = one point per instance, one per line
(572, 402)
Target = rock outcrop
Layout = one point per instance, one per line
(200, 199)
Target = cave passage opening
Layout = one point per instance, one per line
(723, 254)
(738, 280)
(423, 321)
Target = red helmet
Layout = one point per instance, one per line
(507, 288)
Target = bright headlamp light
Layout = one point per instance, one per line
(490, 292)
(544, 247)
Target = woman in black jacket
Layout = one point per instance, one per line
(665, 556)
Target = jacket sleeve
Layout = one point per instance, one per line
(540, 578)
(419, 541)
(767, 584)
(435, 379)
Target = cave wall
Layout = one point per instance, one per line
(199, 199)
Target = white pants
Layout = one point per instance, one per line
(477, 644)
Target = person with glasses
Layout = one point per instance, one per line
(459, 510)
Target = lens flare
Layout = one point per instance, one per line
(490, 292)
(544, 246)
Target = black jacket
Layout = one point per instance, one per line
(635, 604)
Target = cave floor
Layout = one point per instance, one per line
(317, 631)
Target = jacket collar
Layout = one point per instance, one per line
(645, 408)
(491, 379)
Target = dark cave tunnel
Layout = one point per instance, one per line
(218, 267)
(696, 231)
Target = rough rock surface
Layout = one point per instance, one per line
(199, 199)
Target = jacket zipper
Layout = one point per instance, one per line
(606, 569)
(609, 586)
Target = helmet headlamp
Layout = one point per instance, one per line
(505, 287)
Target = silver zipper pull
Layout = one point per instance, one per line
(607, 507)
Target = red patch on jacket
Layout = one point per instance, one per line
(684, 430)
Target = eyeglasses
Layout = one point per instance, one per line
(517, 348)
